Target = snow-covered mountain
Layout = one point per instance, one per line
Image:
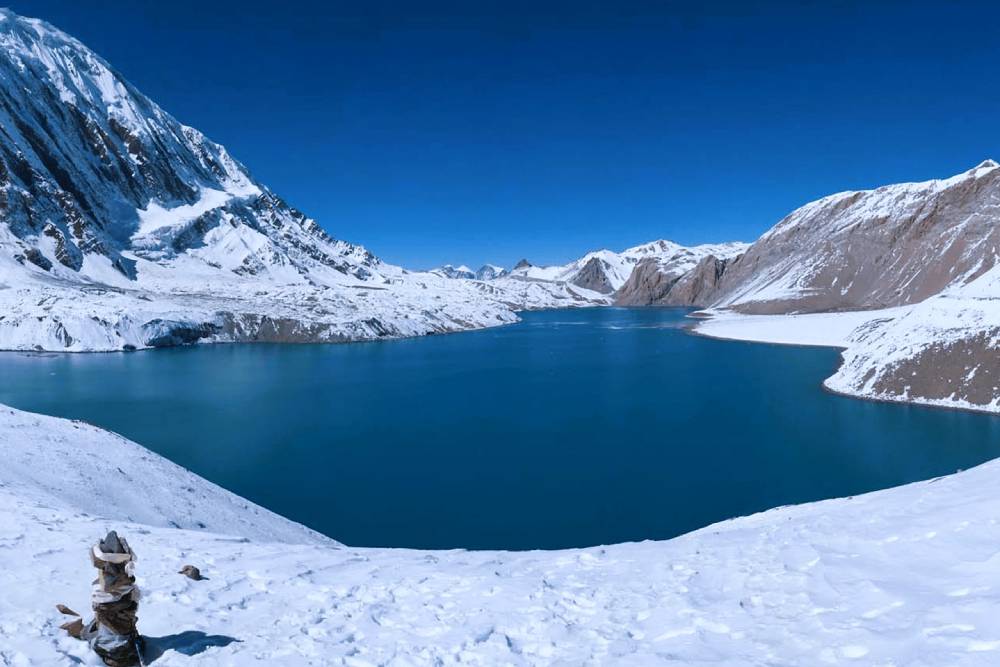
(677, 276)
(606, 271)
(120, 227)
(920, 258)
(491, 272)
(463, 272)
(600, 277)
(95, 177)
(891, 246)
(455, 272)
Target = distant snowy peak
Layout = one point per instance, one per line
(602, 271)
(91, 167)
(455, 272)
(463, 272)
(606, 271)
(491, 272)
(591, 280)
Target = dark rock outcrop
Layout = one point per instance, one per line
(655, 283)
(169, 334)
(593, 276)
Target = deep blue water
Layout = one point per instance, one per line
(571, 428)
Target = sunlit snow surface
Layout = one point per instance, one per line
(898, 577)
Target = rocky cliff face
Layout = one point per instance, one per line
(891, 246)
(929, 248)
(594, 275)
(680, 277)
(895, 245)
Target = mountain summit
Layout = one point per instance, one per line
(120, 227)
(91, 168)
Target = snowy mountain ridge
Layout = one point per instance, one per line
(605, 271)
(122, 228)
(894, 245)
(455, 272)
(491, 272)
(89, 166)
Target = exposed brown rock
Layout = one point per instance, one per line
(593, 276)
(647, 285)
(892, 246)
(964, 370)
(653, 284)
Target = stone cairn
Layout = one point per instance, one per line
(115, 599)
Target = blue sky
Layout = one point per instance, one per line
(468, 132)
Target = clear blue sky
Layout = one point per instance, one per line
(487, 131)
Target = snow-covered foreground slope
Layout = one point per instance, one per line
(95, 472)
(898, 577)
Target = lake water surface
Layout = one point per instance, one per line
(571, 428)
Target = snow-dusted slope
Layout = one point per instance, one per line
(896, 577)
(527, 294)
(892, 246)
(943, 351)
(677, 276)
(920, 263)
(72, 463)
(120, 227)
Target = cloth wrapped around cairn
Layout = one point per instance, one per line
(115, 599)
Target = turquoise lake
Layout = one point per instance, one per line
(571, 428)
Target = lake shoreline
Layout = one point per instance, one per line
(330, 395)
